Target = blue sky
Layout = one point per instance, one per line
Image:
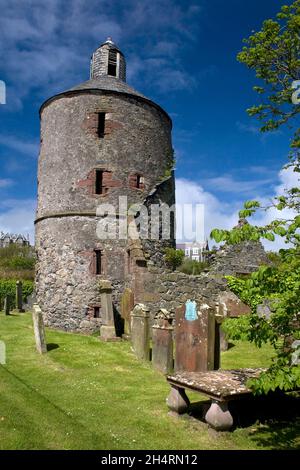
(181, 54)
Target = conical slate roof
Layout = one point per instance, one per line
(107, 83)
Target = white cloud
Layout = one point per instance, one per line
(225, 215)
(46, 46)
(288, 179)
(6, 182)
(25, 147)
(228, 184)
(248, 128)
(217, 214)
(251, 129)
(17, 216)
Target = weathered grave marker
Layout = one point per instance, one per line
(2, 353)
(162, 343)
(127, 305)
(140, 336)
(39, 329)
(107, 329)
(194, 338)
(19, 296)
(6, 306)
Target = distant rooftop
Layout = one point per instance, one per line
(8, 238)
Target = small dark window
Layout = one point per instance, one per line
(101, 125)
(112, 63)
(99, 182)
(139, 181)
(98, 262)
(96, 312)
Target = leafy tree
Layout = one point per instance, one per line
(173, 258)
(274, 54)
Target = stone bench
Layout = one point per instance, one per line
(220, 385)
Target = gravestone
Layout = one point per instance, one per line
(194, 338)
(127, 305)
(39, 329)
(107, 329)
(223, 340)
(19, 296)
(162, 343)
(140, 332)
(229, 305)
(6, 307)
(2, 353)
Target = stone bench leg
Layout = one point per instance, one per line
(218, 416)
(177, 401)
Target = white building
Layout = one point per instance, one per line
(194, 250)
(8, 238)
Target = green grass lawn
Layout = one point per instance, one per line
(86, 394)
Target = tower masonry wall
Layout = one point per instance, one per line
(136, 141)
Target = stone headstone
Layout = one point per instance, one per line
(19, 296)
(2, 353)
(39, 329)
(229, 305)
(194, 338)
(162, 343)
(223, 340)
(6, 307)
(31, 299)
(127, 305)
(140, 332)
(107, 329)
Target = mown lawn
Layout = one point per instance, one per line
(85, 394)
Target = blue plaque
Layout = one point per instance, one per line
(191, 310)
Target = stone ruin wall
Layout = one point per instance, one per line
(242, 258)
(159, 288)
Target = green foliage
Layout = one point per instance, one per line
(173, 258)
(14, 250)
(237, 328)
(170, 165)
(274, 258)
(193, 267)
(8, 288)
(274, 54)
(17, 262)
(21, 263)
(280, 284)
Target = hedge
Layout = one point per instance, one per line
(8, 288)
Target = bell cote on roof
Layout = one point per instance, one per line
(109, 61)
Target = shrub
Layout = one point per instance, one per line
(8, 288)
(173, 258)
(17, 262)
(274, 257)
(21, 263)
(190, 266)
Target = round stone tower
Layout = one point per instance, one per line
(100, 141)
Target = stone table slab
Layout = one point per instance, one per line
(221, 385)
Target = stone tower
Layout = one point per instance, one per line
(99, 140)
